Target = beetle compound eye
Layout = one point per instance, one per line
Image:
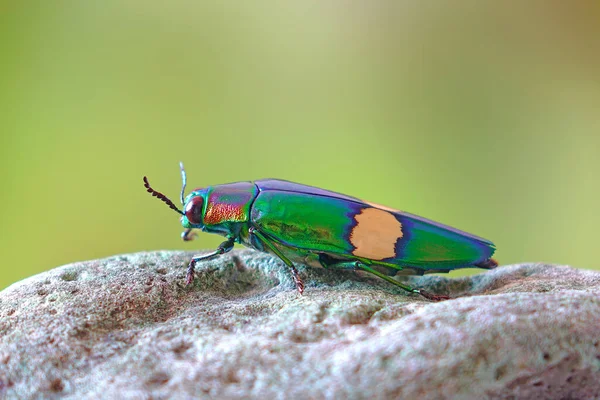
(193, 210)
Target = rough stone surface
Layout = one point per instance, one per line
(127, 327)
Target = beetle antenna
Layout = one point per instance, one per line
(161, 196)
(183, 180)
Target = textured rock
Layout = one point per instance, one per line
(127, 327)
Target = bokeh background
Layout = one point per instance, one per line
(481, 115)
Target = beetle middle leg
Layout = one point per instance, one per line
(297, 280)
(223, 248)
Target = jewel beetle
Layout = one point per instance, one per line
(317, 227)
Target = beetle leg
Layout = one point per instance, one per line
(427, 295)
(223, 248)
(188, 235)
(297, 280)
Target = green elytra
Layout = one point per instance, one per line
(316, 227)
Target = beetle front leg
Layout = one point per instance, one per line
(188, 235)
(223, 248)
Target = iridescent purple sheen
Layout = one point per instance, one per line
(286, 186)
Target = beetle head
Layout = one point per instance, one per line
(191, 216)
(193, 210)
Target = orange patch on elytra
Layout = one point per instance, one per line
(375, 234)
(223, 212)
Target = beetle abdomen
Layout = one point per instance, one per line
(348, 227)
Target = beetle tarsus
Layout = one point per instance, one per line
(191, 272)
(432, 296)
(297, 280)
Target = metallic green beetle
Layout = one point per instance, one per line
(316, 227)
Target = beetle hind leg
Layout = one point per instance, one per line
(364, 267)
(328, 261)
(424, 293)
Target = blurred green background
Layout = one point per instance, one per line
(481, 115)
